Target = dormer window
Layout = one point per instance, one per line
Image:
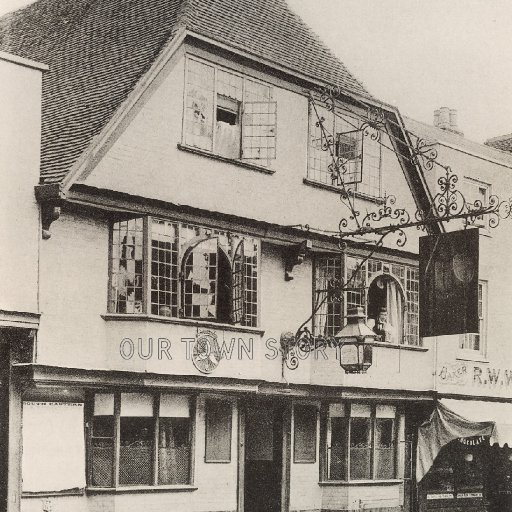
(228, 114)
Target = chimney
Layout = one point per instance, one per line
(446, 119)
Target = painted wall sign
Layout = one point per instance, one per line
(471, 375)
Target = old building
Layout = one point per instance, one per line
(20, 88)
(473, 371)
(188, 206)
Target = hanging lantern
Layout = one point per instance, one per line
(355, 342)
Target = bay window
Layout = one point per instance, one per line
(140, 439)
(177, 270)
(387, 292)
(361, 442)
(228, 114)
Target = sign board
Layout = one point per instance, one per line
(449, 283)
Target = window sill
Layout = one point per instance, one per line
(50, 494)
(473, 358)
(238, 163)
(183, 321)
(414, 348)
(334, 188)
(344, 483)
(141, 488)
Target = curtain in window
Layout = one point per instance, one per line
(174, 440)
(394, 302)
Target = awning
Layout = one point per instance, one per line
(453, 419)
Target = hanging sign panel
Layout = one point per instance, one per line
(449, 283)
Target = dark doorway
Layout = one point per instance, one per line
(263, 473)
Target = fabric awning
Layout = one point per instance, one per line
(453, 419)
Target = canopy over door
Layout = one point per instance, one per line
(453, 419)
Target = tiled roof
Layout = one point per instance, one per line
(98, 50)
(433, 134)
(503, 142)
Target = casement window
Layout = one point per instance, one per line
(388, 293)
(359, 157)
(360, 442)
(170, 269)
(140, 439)
(476, 342)
(229, 114)
(477, 195)
(219, 420)
(304, 433)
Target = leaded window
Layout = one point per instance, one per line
(358, 157)
(140, 439)
(360, 442)
(170, 269)
(229, 114)
(387, 292)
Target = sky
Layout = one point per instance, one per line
(420, 55)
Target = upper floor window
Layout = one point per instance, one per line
(388, 292)
(359, 157)
(178, 270)
(229, 114)
(361, 442)
(475, 342)
(477, 195)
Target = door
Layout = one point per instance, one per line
(263, 465)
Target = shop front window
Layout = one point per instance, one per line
(361, 442)
(125, 428)
(457, 472)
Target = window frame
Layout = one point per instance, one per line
(469, 184)
(156, 396)
(325, 448)
(466, 351)
(408, 286)
(357, 185)
(249, 317)
(265, 163)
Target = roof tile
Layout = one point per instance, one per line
(98, 50)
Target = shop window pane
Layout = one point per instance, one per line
(102, 451)
(218, 431)
(135, 457)
(338, 450)
(360, 448)
(384, 448)
(174, 451)
(304, 448)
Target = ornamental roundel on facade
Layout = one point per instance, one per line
(206, 354)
